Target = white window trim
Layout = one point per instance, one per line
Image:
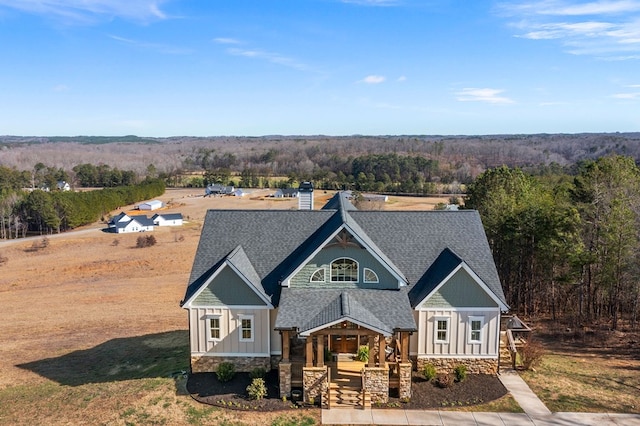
(340, 258)
(364, 276)
(324, 275)
(252, 329)
(481, 331)
(435, 329)
(208, 319)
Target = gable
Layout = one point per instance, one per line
(460, 290)
(227, 289)
(365, 260)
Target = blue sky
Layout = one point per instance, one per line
(302, 67)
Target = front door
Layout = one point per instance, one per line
(344, 344)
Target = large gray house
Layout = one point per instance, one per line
(297, 290)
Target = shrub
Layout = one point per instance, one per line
(257, 389)
(444, 380)
(531, 354)
(145, 241)
(363, 353)
(258, 373)
(429, 372)
(225, 371)
(460, 371)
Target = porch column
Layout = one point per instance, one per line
(372, 361)
(404, 348)
(382, 344)
(309, 352)
(320, 353)
(285, 345)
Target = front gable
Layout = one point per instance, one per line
(347, 242)
(461, 288)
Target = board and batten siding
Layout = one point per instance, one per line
(458, 345)
(323, 260)
(227, 288)
(229, 343)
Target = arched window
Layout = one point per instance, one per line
(317, 276)
(344, 269)
(370, 276)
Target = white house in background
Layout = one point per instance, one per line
(63, 186)
(286, 193)
(239, 193)
(150, 205)
(123, 223)
(167, 219)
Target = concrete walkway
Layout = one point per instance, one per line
(535, 413)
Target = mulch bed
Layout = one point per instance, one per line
(475, 389)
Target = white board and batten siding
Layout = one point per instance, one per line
(230, 342)
(458, 344)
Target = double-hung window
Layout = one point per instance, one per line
(442, 330)
(475, 329)
(246, 328)
(214, 328)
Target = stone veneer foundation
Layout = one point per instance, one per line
(404, 371)
(208, 364)
(315, 384)
(376, 382)
(474, 365)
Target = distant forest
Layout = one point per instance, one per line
(561, 212)
(407, 164)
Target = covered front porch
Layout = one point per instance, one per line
(324, 365)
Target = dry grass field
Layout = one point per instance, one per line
(92, 331)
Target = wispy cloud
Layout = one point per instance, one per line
(373, 2)
(158, 47)
(482, 95)
(373, 79)
(633, 94)
(226, 40)
(401, 79)
(90, 11)
(609, 29)
(274, 58)
(60, 88)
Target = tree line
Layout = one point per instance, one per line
(566, 245)
(45, 212)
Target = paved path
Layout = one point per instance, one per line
(345, 416)
(535, 413)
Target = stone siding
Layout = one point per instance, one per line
(447, 365)
(315, 384)
(405, 380)
(209, 364)
(376, 382)
(284, 374)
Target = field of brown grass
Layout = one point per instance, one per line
(92, 330)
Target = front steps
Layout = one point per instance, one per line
(342, 396)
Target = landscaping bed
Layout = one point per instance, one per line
(474, 390)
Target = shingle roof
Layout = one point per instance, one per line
(381, 310)
(418, 245)
(168, 216)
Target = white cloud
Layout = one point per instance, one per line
(482, 95)
(60, 88)
(373, 2)
(158, 47)
(274, 58)
(401, 79)
(632, 96)
(373, 79)
(609, 29)
(226, 40)
(90, 11)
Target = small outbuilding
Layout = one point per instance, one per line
(151, 205)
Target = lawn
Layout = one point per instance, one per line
(597, 371)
